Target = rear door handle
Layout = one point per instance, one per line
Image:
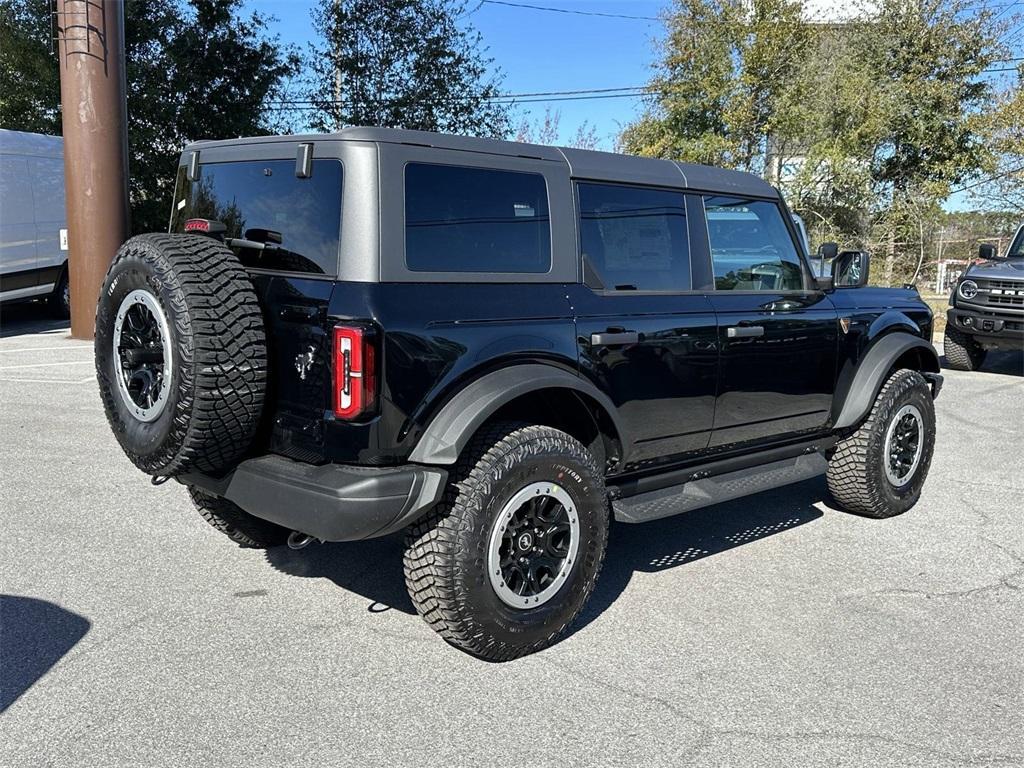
(744, 331)
(611, 338)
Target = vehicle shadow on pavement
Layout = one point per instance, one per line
(34, 635)
(1008, 363)
(676, 541)
(373, 568)
(29, 318)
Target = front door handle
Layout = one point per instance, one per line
(744, 331)
(612, 338)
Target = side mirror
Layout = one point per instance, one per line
(850, 269)
(987, 251)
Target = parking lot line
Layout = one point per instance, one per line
(44, 365)
(5, 349)
(46, 381)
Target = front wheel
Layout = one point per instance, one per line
(507, 560)
(880, 469)
(962, 352)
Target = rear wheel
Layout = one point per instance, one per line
(880, 469)
(507, 560)
(962, 352)
(234, 522)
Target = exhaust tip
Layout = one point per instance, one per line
(298, 540)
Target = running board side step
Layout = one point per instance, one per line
(673, 500)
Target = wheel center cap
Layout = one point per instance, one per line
(525, 540)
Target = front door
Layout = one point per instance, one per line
(776, 332)
(645, 338)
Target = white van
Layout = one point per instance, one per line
(33, 224)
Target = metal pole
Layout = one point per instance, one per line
(90, 35)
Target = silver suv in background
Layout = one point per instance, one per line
(986, 308)
(33, 225)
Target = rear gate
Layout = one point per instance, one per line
(299, 351)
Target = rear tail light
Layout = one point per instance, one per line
(206, 226)
(355, 372)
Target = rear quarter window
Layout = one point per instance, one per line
(467, 219)
(260, 200)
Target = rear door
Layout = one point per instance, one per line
(645, 337)
(777, 333)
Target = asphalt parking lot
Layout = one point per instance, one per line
(771, 631)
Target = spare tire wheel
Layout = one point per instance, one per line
(181, 354)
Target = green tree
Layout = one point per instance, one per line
(867, 125)
(196, 69)
(402, 64)
(1005, 189)
(29, 79)
(725, 88)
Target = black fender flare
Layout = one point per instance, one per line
(871, 371)
(459, 419)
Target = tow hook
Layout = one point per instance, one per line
(299, 540)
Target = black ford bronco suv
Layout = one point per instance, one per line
(498, 348)
(986, 308)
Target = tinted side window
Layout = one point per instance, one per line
(259, 200)
(461, 219)
(634, 237)
(750, 246)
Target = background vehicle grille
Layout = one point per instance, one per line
(1000, 293)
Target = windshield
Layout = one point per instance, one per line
(297, 220)
(1017, 246)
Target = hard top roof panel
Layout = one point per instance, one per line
(583, 164)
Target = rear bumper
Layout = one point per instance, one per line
(997, 330)
(333, 502)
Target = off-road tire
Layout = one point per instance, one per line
(856, 473)
(234, 522)
(446, 551)
(962, 352)
(218, 347)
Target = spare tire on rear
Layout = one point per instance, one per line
(181, 354)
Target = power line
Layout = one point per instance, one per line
(633, 17)
(995, 177)
(570, 11)
(1005, 9)
(540, 96)
(498, 95)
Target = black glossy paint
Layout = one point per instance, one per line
(779, 383)
(664, 385)
(684, 387)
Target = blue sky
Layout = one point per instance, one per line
(545, 51)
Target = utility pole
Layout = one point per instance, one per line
(90, 39)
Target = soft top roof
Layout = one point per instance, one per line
(583, 164)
